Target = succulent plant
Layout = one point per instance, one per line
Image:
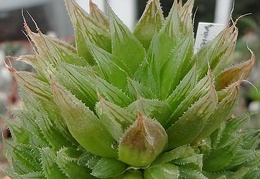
(139, 104)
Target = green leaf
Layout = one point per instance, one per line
(178, 65)
(67, 159)
(138, 89)
(83, 124)
(108, 167)
(87, 31)
(223, 111)
(19, 132)
(166, 171)
(182, 91)
(192, 122)
(195, 162)
(150, 23)
(111, 68)
(177, 153)
(220, 157)
(114, 118)
(192, 95)
(190, 173)
(49, 164)
(79, 80)
(112, 93)
(24, 159)
(155, 109)
(125, 45)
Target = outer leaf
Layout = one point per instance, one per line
(24, 160)
(167, 171)
(49, 164)
(236, 73)
(83, 123)
(192, 122)
(87, 30)
(177, 153)
(67, 159)
(32, 83)
(114, 118)
(195, 162)
(125, 46)
(79, 80)
(52, 49)
(222, 112)
(150, 23)
(108, 167)
(218, 158)
(190, 173)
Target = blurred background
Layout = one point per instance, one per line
(52, 19)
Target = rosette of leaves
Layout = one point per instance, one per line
(124, 104)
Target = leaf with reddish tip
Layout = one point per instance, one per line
(87, 30)
(236, 73)
(142, 142)
(98, 15)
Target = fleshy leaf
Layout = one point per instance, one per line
(79, 80)
(234, 74)
(83, 123)
(33, 83)
(111, 68)
(98, 15)
(150, 23)
(192, 122)
(220, 157)
(190, 173)
(190, 95)
(24, 159)
(49, 164)
(112, 93)
(177, 153)
(155, 109)
(137, 89)
(67, 159)
(167, 170)
(87, 30)
(114, 118)
(176, 68)
(142, 142)
(108, 167)
(125, 45)
(223, 111)
(216, 52)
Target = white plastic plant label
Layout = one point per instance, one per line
(205, 33)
